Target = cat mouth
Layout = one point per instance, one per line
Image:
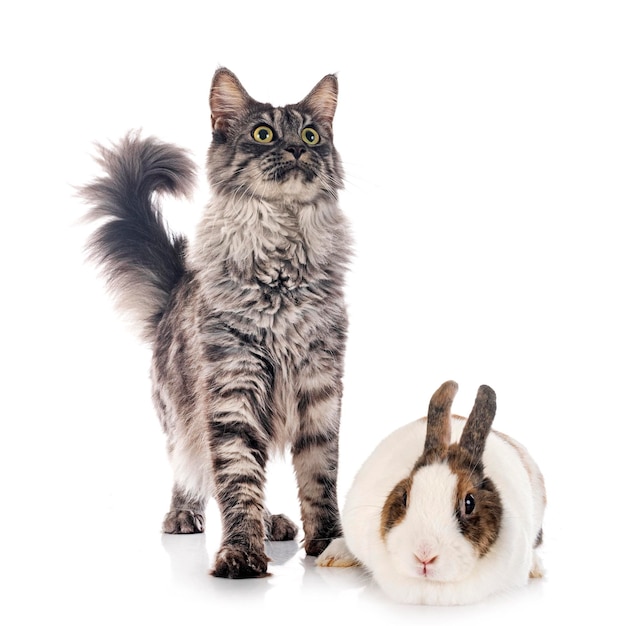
(294, 170)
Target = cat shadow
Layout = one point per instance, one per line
(191, 559)
(281, 552)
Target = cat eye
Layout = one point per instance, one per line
(469, 504)
(263, 134)
(310, 136)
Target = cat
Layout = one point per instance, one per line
(248, 323)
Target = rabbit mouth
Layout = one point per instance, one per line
(416, 568)
(425, 561)
(426, 571)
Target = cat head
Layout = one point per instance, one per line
(275, 153)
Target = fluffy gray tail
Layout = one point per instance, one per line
(141, 261)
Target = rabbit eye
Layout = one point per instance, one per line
(404, 498)
(469, 504)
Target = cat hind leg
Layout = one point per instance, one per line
(279, 528)
(186, 515)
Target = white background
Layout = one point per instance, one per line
(482, 144)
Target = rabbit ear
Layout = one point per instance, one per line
(479, 423)
(439, 417)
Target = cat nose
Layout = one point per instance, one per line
(296, 151)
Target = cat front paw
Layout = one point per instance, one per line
(235, 562)
(183, 522)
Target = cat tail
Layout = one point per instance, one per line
(140, 259)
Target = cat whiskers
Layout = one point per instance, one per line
(329, 183)
(253, 189)
(360, 183)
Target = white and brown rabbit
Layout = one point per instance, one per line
(445, 510)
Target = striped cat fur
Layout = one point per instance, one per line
(248, 323)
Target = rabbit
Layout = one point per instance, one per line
(445, 511)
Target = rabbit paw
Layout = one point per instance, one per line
(337, 554)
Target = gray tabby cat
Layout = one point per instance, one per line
(248, 325)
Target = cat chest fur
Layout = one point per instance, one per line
(266, 304)
(270, 265)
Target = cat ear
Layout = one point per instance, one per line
(322, 99)
(228, 99)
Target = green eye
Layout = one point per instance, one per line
(263, 134)
(310, 136)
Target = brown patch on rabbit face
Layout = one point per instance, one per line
(428, 457)
(395, 506)
(478, 506)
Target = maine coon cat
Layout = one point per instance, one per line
(248, 323)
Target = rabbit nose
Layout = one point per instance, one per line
(425, 559)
